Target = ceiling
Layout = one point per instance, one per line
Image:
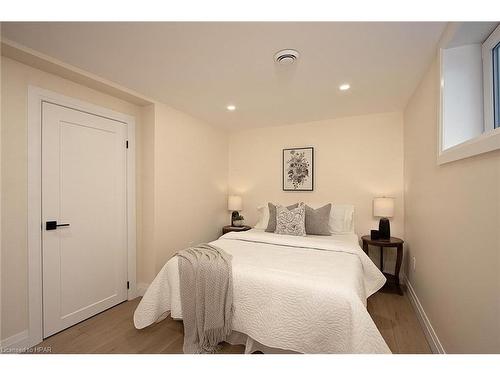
(200, 68)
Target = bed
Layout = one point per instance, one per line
(291, 294)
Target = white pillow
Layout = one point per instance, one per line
(342, 219)
(263, 217)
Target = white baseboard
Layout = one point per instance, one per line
(141, 289)
(17, 343)
(429, 332)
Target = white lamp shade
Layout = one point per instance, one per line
(383, 207)
(234, 203)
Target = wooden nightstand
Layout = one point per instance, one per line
(229, 228)
(392, 242)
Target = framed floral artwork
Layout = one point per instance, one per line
(298, 169)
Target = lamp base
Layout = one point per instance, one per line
(384, 229)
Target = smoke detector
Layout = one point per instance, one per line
(286, 56)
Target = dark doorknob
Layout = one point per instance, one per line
(51, 225)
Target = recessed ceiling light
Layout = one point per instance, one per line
(344, 87)
(231, 107)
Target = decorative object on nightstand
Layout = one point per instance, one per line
(391, 242)
(238, 220)
(235, 204)
(229, 228)
(383, 207)
(374, 234)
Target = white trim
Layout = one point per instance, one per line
(486, 142)
(35, 97)
(487, 48)
(35, 311)
(141, 289)
(17, 343)
(429, 332)
(131, 211)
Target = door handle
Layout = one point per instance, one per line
(51, 225)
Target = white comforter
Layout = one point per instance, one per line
(304, 294)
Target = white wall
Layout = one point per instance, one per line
(452, 221)
(356, 159)
(190, 182)
(146, 214)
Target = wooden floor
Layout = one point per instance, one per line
(113, 331)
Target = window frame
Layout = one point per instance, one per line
(489, 90)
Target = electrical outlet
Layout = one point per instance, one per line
(413, 263)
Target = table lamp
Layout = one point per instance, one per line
(383, 207)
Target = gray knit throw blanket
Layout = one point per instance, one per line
(206, 288)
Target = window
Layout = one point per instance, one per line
(491, 74)
(496, 85)
(469, 121)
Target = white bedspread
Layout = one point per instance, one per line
(304, 294)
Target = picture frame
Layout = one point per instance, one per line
(298, 169)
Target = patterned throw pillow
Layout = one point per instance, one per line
(271, 224)
(291, 221)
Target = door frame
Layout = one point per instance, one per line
(36, 96)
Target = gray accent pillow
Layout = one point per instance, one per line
(291, 222)
(271, 225)
(317, 220)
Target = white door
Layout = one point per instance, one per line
(84, 186)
